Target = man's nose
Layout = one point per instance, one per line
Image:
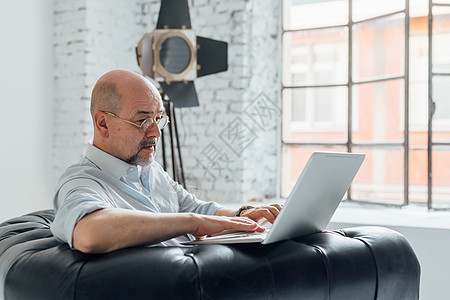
(153, 131)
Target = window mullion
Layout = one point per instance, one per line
(350, 84)
(406, 100)
(430, 103)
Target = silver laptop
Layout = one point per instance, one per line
(311, 204)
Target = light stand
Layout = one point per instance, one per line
(177, 163)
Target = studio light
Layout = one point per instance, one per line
(175, 56)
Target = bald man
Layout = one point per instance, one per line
(117, 196)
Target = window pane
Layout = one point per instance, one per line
(298, 105)
(315, 115)
(378, 112)
(298, 14)
(418, 139)
(442, 1)
(294, 159)
(379, 48)
(315, 57)
(441, 177)
(418, 82)
(441, 39)
(380, 178)
(418, 8)
(441, 117)
(418, 178)
(364, 9)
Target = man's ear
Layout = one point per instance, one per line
(100, 124)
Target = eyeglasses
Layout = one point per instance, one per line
(160, 120)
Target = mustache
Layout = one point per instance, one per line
(149, 142)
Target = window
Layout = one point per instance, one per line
(370, 76)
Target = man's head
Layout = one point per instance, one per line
(120, 101)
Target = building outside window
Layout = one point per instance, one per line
(357, 77)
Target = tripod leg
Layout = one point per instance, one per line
(181, 170)
(163, 150)
(163, 138)
(172, 146)
(177, 170)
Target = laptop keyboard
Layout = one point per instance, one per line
(239, 234)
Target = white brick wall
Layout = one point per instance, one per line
(92, 37)
(70, 34)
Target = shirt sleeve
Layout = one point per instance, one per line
(74, 200)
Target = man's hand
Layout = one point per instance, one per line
(210, 225)
(269, 212)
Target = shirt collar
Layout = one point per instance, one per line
(106, 162)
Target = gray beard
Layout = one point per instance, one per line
(137, 161)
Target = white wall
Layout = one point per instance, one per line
(26, 71)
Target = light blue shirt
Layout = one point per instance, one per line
(101, 180)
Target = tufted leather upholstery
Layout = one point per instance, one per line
(357, 263)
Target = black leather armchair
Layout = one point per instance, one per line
(357, 263)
